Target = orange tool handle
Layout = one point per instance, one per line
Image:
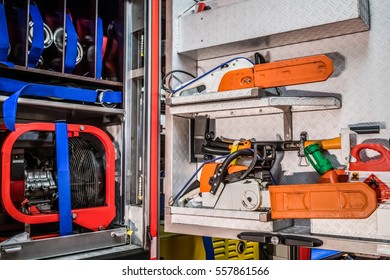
(323, 201)
(295, 71)
(327, 144)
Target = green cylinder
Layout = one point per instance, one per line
(317, 160)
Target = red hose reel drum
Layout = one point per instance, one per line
(93, 218)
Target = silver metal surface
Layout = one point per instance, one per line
(121, 251)
(364, 228)
(217, 96)
(218, 226)
(137, 224)
(227, 219)
(360, 79)
(343, 243)
(136, 73)
(134, 130)
(178, 168)
(244, 196)
(252, 106)
(254, 25)
(64, 245)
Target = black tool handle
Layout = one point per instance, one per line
(289, 240)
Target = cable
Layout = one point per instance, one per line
(172, 72)
(192, 177)
(207, 73)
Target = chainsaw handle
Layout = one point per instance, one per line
(383, 151)
(220, 172)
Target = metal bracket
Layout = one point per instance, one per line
(287, 122)
(275, 239)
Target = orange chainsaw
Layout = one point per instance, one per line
(231, 185)
(241, 73)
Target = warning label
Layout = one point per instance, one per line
(381, 189)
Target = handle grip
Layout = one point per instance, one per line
(383, 151)
(382, 164)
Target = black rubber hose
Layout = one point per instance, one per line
(220, 144)
(222, 171)
(251, 166)
(209, 150)
(259, 58)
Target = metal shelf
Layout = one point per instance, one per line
(247, 102)
(228, 224)
(64, 245)
(229, 219)
(46, 110)
(39, 74)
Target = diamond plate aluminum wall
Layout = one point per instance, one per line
(249, 25)
(361, 79)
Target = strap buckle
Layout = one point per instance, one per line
(100, 96)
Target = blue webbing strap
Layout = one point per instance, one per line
(208, 247)
(37, 43)
(4, 40)
(19, 88)
(71, 45)
(99, 49)
(63, 174)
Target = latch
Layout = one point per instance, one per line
(11, 249)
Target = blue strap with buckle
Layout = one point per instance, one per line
(99, 48)
(19, 88)
(37, 42)
(63, 178)
(71, 45)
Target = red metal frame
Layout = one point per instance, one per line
(154, 125)
(94, 218)
(304, 253)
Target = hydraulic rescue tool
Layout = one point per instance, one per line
(241, 73)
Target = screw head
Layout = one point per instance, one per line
(275, 240)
